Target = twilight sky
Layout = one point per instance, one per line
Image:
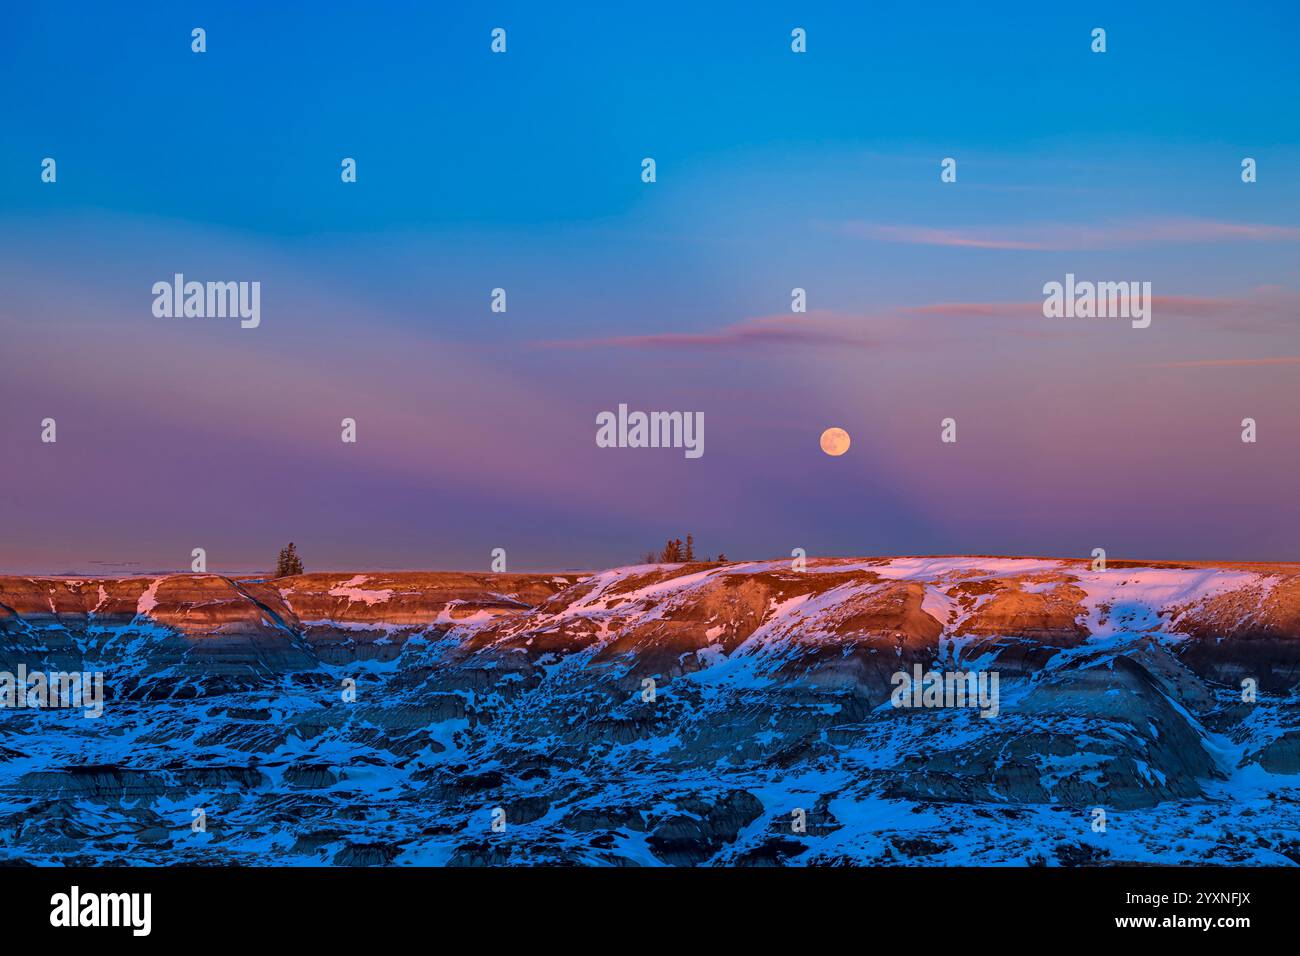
(476, 430)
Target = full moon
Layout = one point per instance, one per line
(835, 441)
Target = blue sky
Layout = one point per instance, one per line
(775, 170)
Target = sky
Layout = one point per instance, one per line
(523, 171)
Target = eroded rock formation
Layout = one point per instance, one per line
(661, 714)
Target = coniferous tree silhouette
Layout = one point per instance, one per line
(675, 552)
(289, 562)
(672, 552)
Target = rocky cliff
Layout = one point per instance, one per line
(663, 714)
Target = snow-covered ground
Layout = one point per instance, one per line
(656, 715)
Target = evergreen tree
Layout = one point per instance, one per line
(672, 552)
(675, 551)
(289, 562)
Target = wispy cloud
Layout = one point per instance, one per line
(1050, 237)
(1228, 362)
(814, 328)
(1260, 307)
(1259, 310)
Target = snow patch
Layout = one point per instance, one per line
(352, 590)
(149, 599)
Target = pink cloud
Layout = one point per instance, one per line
(920, 235)
(1267, 302)
(815, 328)
(1229, 362)
(1258, 310)
(1045, 237)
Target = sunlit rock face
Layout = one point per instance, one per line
(700, 714)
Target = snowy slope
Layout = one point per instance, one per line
(662, 714)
